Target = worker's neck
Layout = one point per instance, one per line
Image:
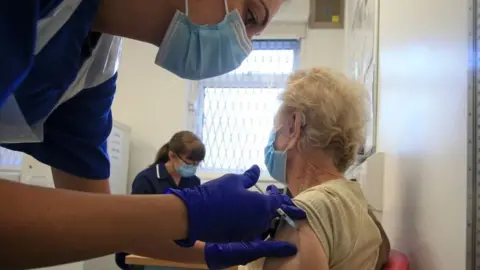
(176, 178)
(145, 20)
(173, 172)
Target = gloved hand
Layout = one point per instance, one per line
(271, 230)
(288, 204)
(275, 222)
(223, 210)
(222, 256)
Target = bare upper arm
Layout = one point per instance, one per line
(310, 255)
(65, 180)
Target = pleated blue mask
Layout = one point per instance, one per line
(196, 52)
(187, 170)
(275, 161)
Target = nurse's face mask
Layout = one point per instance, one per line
(185, 169)
(196, 52)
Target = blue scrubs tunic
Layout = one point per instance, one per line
(74, 130)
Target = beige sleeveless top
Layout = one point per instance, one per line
(337, 212)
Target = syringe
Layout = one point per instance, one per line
(282, 214)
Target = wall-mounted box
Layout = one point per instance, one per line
(327, 14)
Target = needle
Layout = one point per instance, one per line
(282, 213)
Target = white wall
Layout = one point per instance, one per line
(153, 102)
(422, 128)
(150, 100)
(323, 48)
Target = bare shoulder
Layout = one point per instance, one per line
(311, 254)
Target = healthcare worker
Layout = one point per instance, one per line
(174, 167)
(58, 63)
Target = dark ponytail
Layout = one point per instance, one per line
(162, 154)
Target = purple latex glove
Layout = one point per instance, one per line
(287, 206)
(224, 210)
(222, 256)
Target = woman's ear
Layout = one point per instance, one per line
(171, 155)
(295, 124)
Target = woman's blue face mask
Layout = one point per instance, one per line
(275, 161)
(187, 170)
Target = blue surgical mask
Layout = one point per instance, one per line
(186, 170)
(196, 52)
(276, 161)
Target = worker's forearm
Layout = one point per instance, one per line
(169, 250)
(41, 227)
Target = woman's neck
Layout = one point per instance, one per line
(147, 21)
(308, 175)
(172, 172)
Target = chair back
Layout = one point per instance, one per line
(397, 261)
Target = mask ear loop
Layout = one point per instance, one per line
(226, 7)
(186, 7)
(302, 124)
(183, 163)
(285, 172)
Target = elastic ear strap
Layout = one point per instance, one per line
(226, 6)
(186, 7)
(302, 118)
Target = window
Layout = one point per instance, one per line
(10, 160)
(234, 112)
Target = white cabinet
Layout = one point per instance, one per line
(10, 164)
(119, 152)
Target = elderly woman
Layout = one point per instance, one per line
(318, 130)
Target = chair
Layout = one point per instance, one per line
(397, 261)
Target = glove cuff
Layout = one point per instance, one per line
(185, 243)
(212, 256)
(184, 196)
